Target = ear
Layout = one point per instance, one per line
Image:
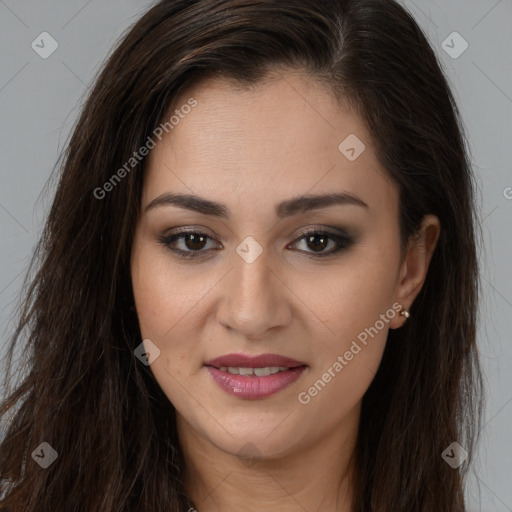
(413, 270)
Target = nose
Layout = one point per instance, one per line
(255, 299)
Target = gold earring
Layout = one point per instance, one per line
(405, 313)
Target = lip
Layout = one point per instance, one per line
(251, 387)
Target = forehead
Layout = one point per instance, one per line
(283, 137)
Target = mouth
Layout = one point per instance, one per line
(254, 378)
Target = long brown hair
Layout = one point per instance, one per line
(83, 391)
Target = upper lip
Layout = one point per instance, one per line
(261, 361)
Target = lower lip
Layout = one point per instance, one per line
(250, 387)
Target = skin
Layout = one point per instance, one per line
(249, 150)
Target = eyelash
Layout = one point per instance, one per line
(343, 242)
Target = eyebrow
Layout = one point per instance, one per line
(286, 208)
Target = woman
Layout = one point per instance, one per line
(257, 285)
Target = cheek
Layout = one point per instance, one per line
(354, 306)
(161, 310)
(168, 302)
(158, 300)
(350, 296)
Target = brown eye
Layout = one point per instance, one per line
(195, 241)
(186, 243)
(317, 241)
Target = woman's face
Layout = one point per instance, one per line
(268, 266)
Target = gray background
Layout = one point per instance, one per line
(39, 102)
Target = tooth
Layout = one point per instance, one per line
(261, 372)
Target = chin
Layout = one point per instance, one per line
(252, 447)
(268, 441)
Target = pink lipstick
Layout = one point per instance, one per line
(254, 377)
